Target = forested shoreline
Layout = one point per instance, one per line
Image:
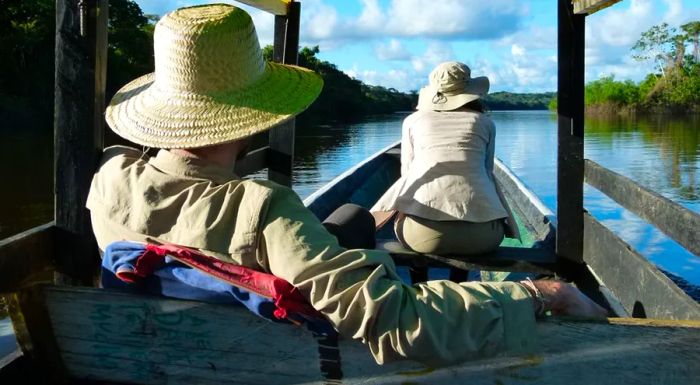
(674, 87)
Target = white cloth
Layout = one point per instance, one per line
(447, 161)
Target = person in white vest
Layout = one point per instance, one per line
(447, 200)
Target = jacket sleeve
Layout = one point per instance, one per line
(490, 147)
(436, 323)
(406, 147)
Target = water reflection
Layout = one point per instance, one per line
(667, 150)
(323, 152)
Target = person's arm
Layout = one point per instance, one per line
(436, 323)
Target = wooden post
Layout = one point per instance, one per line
(286, 48)
(81, 69)
(570, 95)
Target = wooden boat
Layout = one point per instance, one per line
(88, 335)
(99, 335)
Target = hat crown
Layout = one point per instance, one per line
(208, 50)
(450, 77)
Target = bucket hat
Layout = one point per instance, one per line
(211, 84)
(450, 87)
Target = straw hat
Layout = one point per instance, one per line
(210, 85)
(450, 87)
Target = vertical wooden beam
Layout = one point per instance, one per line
(571, 47)
(81, 69)
(286, 48)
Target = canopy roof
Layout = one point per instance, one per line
(275, 7)
(591, 6)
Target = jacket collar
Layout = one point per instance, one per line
(178, 165)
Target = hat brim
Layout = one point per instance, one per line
(142, 114)
(475, 89)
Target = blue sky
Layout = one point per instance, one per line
(395, 43)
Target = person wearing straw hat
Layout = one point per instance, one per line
(210, 91)
(447, 199)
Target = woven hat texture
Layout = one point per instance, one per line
(450, 87)
(210, 85)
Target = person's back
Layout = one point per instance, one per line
(447, 197)
(447, 165)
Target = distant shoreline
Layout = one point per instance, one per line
(613, 109)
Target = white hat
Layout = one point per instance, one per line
(450, 87)
(210, 85)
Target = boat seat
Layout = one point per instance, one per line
(513, 259)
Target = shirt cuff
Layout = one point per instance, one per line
(519, 328)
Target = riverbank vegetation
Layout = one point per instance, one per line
(512, 101)
(674, 87)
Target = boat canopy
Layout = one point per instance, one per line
(591, 6)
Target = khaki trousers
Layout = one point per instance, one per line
(448, 237)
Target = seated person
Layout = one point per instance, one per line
(211, 90)
(447, 198)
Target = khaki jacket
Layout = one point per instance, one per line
(447, 161)
(265, 226)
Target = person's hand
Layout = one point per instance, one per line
(564, 299)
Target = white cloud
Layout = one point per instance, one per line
(394, 50)
(476, 19)
(446, 19)
(437, 52)
(533, 37)
(400, 79)
(517, 50)
(521, 71)
(372, 17)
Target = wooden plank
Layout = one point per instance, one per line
(538, 218)
(79, 129)
(571, 34)
(34, 333)
(541, 261)
(253, 162)
(590, 7)
(340, 190)
(642, 289)
(24, 255)
(275, 7)
(107, 336)
(285, 50)
(672, 219)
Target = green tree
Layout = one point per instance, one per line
(27, 65)
(344, 98)
(130, 38)
(692, 31)
(656, 44)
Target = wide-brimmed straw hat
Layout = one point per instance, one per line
(450, 87)
(210, 85)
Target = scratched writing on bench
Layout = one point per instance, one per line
(140, 339)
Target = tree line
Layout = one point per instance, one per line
(674, 86)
